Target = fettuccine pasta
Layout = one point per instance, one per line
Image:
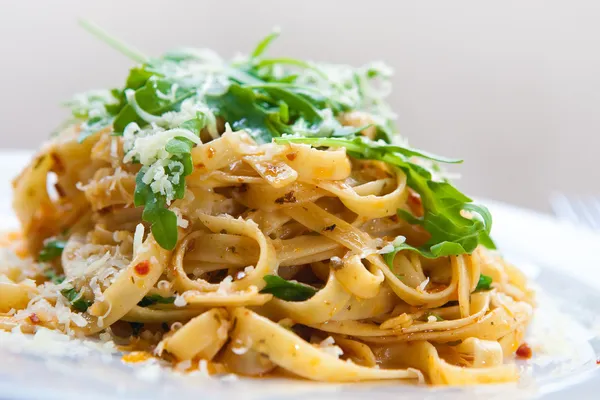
(262, 216)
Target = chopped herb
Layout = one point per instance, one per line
(485, 283)
(136, 328)
(52, 249)
(51, 275)
(77, 301)
(287, 290)
(430, 314)
(152, 299)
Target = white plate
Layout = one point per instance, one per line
(562, 259)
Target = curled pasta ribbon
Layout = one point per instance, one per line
(464, 284)
(315, 218)
(357, 279)
(266, 263)
(14, 296)
(357, 308)
(423, 356)
(369, 205)
(305, 249)
(289, 351)
(212, 156)
(247, 297)
(130, 287)
(481, 302)
(319, 308)
(110, 188)
(276, 173)
(268, 197)
(312, 164)
(202, 337)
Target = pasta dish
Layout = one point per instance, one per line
(255, 216)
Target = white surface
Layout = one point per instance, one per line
(511, 86)
(562, 259)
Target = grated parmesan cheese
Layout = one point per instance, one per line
(399, 240)
(328, 346)
(388, 248)
(423, 285)
(138, 238)
(180, 301)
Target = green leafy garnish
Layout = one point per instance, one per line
(94, 110)
(52, 249)
(451, 233)
(136, 328)
(53, 277)
(485, 283)
(152, 299)
(77, 301)
(163, 221)
(287, 290)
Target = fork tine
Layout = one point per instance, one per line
(585, 212)
(594, 204)
(563, 208)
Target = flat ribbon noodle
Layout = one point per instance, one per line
(289, 351)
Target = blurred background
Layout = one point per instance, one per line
(513, 87)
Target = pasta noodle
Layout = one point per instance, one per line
(333, 256)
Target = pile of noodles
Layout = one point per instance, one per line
(315, 216)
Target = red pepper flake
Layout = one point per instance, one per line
(598, 361)
(524, 351)
(415, 204)
(210, 152)
(291, 156)
(200, 165)
(34, 318)
(142, 268)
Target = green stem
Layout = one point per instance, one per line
(113, 42)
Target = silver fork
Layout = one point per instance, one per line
(580, 210)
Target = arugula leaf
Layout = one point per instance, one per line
(152, 299)
(94, 125)
(52, 249)
(163, 221)
(450, 232)
(296, 102)
(138, 76)
(96, 108)
(153, 100)
(240, 107)
(179, 145)
(196, 124)
(287, 290)
(485, 283)
(264, 44)
(164, 226)
(77, 301)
